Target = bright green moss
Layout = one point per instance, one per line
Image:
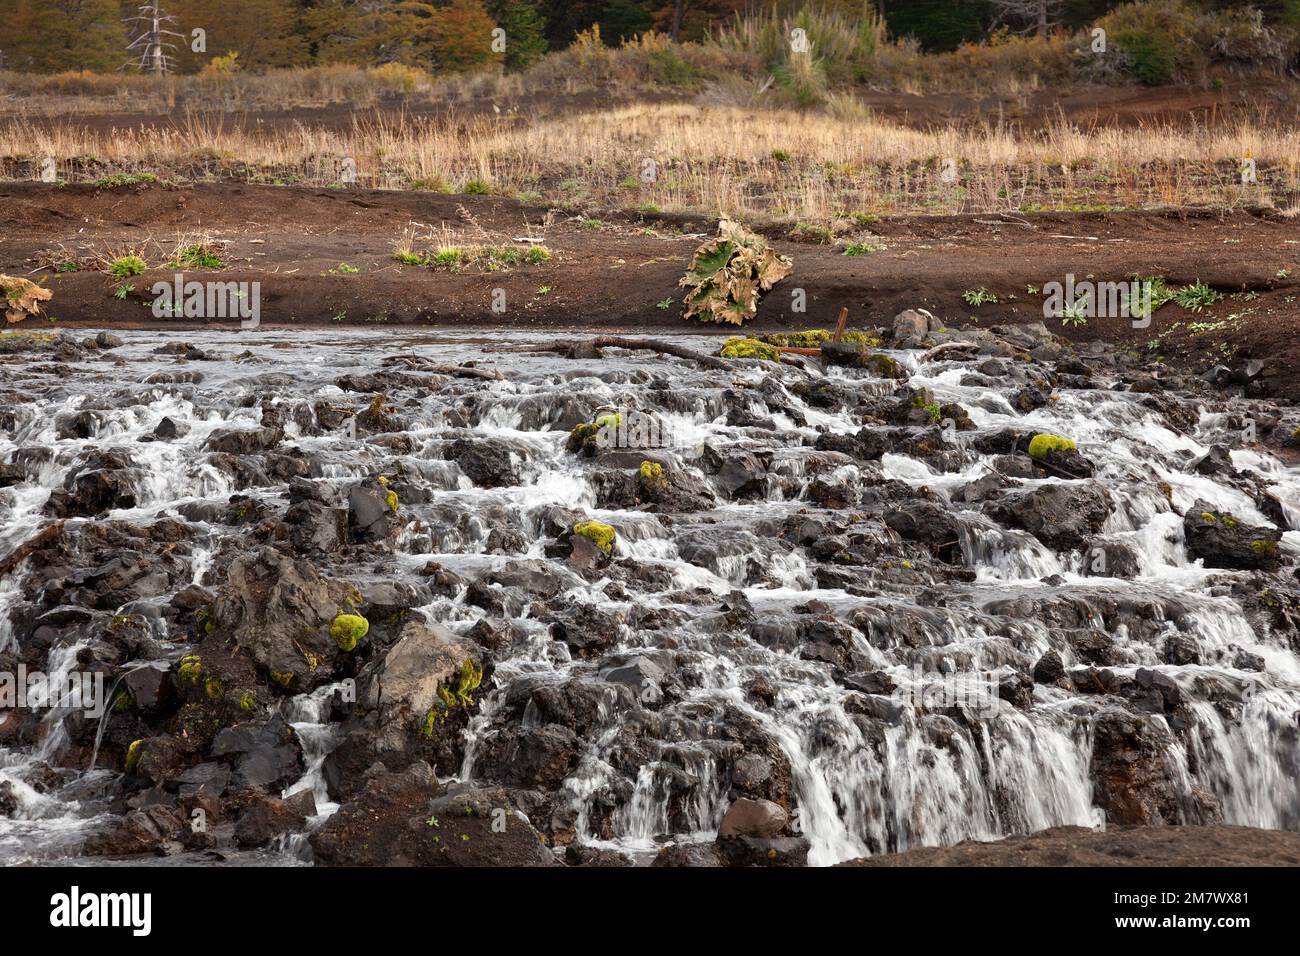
(393, 501)
(347, 629)
(740, 347)
(1263, 546)
(652, 474)
(283, 678)
(247, 701)
(191, 669)
(883, 365)
(601, 535)
(133, 755)
(213, 688)
(585, 435)
(468, 680)
(1041, 445)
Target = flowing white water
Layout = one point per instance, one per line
(898, 776)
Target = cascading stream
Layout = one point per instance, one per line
(736, 631)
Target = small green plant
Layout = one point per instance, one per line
(198, 255)
(862, 248)
(980, 296)
(117, 180)
(1076, 313)
(340, 316)
(476, 187)
(664, 304)
(122, 290)
(1196, 297)
(408, 257)
(66, 267)
(536, 255)
(345, 270)
(126, 266)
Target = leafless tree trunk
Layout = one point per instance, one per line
(678, 11)
(1027, 16)
(151, 28)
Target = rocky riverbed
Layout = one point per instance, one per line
(447, 599)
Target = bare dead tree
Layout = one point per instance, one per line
(152, 51)
(679, 9)
(1028, 16)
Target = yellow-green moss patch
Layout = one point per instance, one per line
(1041, 445)
(347, 629)
(601, 535)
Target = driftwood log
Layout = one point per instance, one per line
(590, 348)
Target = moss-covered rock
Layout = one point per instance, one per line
(1040, 446)
(348, 629)
(601, 535)
(740, 347)
(652, 475)
(191, 669)
(814, 338)
(584, 436)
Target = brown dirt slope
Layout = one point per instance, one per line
(611, 270)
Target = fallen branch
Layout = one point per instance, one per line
(591, 349)
(466, 371)
(947, 347)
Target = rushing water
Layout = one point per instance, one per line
(920, 777)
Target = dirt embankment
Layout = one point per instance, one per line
(325, 256)
(1117, 846)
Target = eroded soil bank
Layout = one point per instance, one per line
(611, 270)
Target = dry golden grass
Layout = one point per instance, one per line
(800, 165)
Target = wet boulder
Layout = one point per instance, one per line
(740, 850)
(263, 755)
(408, 819)
(911, 327)
(929, 524)
(266, 817)
(754, 818)
(406, 683)
(1062, 516)
(101, 481)
(522, 756)
(1221, 540)
(279, 612)
(147, 830)
(488, 462)
(317, 525)
(1049, 669)
(243, 441)
(372, 511)
(1134, 773)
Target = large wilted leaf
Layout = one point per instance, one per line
(22, 297)
(729, 273)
